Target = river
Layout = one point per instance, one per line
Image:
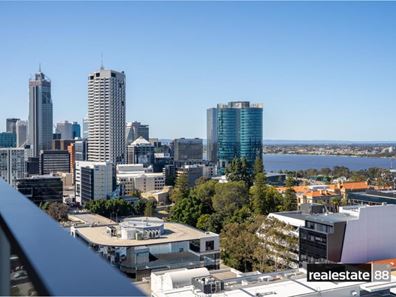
(276, 162)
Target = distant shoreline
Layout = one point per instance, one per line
(331, 155)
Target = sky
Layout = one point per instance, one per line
(322, 70)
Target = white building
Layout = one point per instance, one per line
(356, 234)
(141, 245)
(106, 116)
(65, 129)
(12, 164)
(21, 132)
(94, 180)
(229, 282)
(134, 177)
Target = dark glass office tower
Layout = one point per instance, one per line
(40, 113)
(239, 132)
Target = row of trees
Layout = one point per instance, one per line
(377, 176)
(234, 209)
(113, 208)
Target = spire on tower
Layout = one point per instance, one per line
(39, 67)
(101, 61)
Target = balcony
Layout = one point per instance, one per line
(38, 257)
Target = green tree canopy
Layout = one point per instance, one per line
(229, 197)
(238, 170)
(181, 189)
(187, 210)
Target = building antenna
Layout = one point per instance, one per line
(101, 61)
(40, 67)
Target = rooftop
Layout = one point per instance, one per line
(173, 232)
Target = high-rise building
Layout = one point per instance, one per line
(21, 133)
(65, 129)
(11, 125)
(106, 115)
(94, 180)
(239, 132)
(85, 127)
(211, 134)
(81, 150)
(7, 139)
(134, 130)
(76, 130)
(40, 113)
(53, 161)
(61, 144)
(141, 152)
(188, 150)
(12, 164)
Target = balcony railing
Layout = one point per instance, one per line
(55, 263)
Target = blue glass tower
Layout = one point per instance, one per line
(239, 132)
(76, 130)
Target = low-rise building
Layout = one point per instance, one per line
(41, 188)
(134, 177)
(357, 234)
(228, 282)
(138, 246)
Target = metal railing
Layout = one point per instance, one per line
(56, 263)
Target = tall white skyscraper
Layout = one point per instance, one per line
(40, 113)
(85, 127)
(106, 116)
(21, 132)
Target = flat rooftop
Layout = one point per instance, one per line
(90, 218)
(173, 232)
(331, 218)
(284, 287)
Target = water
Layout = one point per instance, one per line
(276, 162)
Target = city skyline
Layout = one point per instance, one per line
(325, 88)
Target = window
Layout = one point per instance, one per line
(209, 245)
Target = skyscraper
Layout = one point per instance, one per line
(239, 132)
(85, 127)
(76, 130)
(65, 129)
(106, 116)
(134, 130)
(11, 125)
(211, 134)
(40, 113)
(21, 133)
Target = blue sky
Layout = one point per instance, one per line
(323, 70)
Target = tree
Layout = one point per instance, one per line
(258, 166)
(111, 208)
(289, 200)
(205, 190)
(238, 246)
(264, 198)
(238, 170)
(58, 211)
(139, 207)
(149, 208)
(210, 222)
(229, 197)
(181, 189)
(186, 210)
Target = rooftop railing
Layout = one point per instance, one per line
(48, 258)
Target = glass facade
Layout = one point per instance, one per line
(239, 132)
